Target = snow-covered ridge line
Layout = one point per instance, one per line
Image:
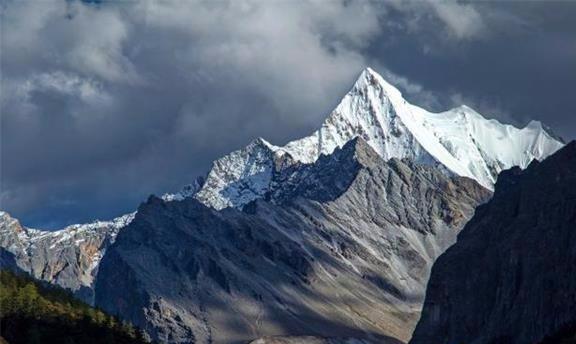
(459, 141)
(69, 257)
(114, 225)
(74, 234)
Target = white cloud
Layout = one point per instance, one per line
(69, 85)
(413, 90)
(66, 35)
(284, 51)
(463, 21)
(288, 53)
(459, 20)
(96, 40)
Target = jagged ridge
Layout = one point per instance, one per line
(68, 257)
(341, 247)
(459, 141)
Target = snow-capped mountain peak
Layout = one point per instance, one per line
(369, 77)
(459, 141)
(239, 177)
(367, 111)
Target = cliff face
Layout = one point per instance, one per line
(338, 248)
(68, 257)
(511, 277)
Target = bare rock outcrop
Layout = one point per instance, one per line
(511, 277)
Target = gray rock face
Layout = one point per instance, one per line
(307, 340)
(67, 257)
(511, 277)
(339, 248)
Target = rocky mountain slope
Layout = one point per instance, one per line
(511, 277)
(68, 257)
(341, 247)
(459, 141)
(307, 340)
(332, 217)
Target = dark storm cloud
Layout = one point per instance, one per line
(105, 103)
(521, 65)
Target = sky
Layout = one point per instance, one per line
(103, 103)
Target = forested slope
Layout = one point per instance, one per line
(33, 313)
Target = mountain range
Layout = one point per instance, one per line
(459, 141)
(331, 236)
